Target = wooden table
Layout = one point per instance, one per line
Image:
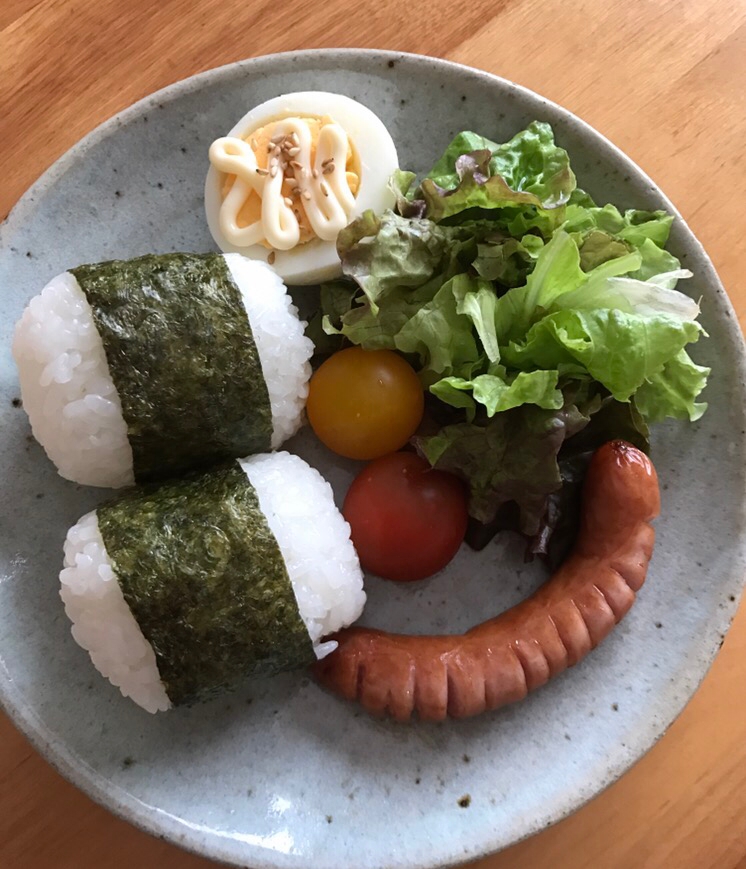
(664, 80)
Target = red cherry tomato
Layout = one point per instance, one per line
(363, 404)
(407, 520)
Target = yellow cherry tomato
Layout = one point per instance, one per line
(363, 404)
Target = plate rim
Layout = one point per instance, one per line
(162, 825)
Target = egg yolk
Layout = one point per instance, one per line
(260, 143)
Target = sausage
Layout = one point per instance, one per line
(501, 660)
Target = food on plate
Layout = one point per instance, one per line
(291, 174)
(182, 590)
(407, 520)
(504, 658)
(518, 336)
(363, 404)
(138, 369)
(541, 324)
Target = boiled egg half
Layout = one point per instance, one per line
(291, 174)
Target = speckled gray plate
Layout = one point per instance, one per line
(281, 774)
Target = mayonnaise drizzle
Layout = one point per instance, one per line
(331, 199)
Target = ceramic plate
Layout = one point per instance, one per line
(282, 774)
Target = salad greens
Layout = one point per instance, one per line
(540, 323)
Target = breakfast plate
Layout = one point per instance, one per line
(280, 773)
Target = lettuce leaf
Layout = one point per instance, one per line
(473, 191)
(376, 329)
(598, 247)
(497, 391)
(557, 274)
(388, 252)
(530, 162)
(645, 231)
(655, 261)
(559, 524)
(477, 300)
(528, 180)
(400, 184)
(631, 295)
(444, 173)
(335, 300)
(507, 261)
(511, 457)
(619, 350)
(633, 226)
(440, 335)
(672, 392)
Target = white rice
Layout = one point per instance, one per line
(283, 348)
(313, 538)
(69, 395)
(67, 390)
(103, 623)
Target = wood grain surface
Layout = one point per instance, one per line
(663, 80)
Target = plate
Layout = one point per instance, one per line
(281, 774)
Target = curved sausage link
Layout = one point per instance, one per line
(501, 660)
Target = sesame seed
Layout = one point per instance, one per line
(254, 144)
(273, 171)
(293, 151)
(327, 170)
(324, 188)
(327, 162)
(288, 201)
(306, 195)
(260, 171)
(277, 138)
(315, 173)
(296, 165)
(271, 257)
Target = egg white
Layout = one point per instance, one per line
(316, 260)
